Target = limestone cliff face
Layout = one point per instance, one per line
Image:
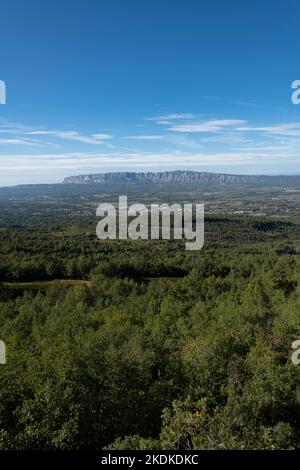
(180, 177)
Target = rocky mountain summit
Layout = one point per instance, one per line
(180, 176)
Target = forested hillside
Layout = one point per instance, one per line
(159, 348)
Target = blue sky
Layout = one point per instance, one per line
(111, 85)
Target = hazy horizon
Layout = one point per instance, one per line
(147, 171)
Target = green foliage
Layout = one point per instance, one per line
(163, 349)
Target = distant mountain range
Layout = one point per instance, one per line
(180, 176)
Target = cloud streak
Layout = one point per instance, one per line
(74, 135)
(216, 125)
(144, 137)
(174, 117)
(289, 129)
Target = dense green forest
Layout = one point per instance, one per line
(141, 344)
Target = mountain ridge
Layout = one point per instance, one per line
(180, 176)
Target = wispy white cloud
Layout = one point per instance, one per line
(102, 136)
(81, 159)
(72, 161)
(74, 135)
(183, 141)
(229, 137)
(173, 117)
(16, 141)
(289, 129)
(215, 125)
(5, 123)
(144, 137)
(9, 131)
